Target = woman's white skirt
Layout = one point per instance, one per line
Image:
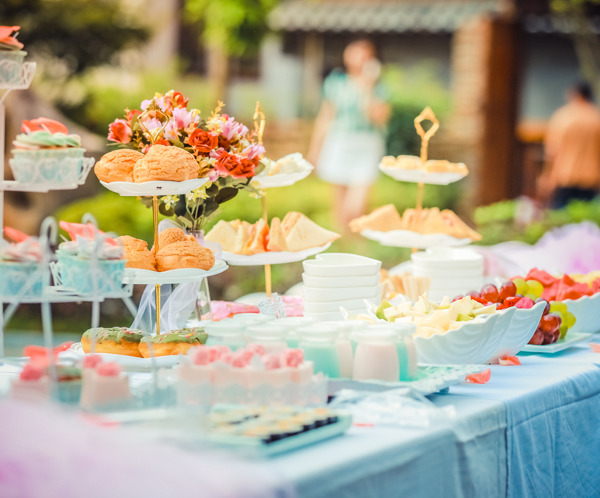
(351, 158)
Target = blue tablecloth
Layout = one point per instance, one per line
(532, 431)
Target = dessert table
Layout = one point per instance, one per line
(531, 431)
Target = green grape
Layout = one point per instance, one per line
(563, 331)
(558, 306)
(535, 288)
(570, 319)
(559, 314)
(533, 297)
(522, 287)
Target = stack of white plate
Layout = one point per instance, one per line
(452, 271)
(332, 280)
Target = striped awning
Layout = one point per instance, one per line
(376, 17)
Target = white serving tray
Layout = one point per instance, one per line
(272, 258)
(566, 343)
(281, 180)
(128, 363)
(429, 379)
(408, 238)
(421, 176)
(181, 276)
(129, 189)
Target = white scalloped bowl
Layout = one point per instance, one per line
(469, 344)
(522, 326)
(587, 313)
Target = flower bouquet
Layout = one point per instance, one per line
(223, 147)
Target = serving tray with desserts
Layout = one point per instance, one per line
(179, 276)
(284, 172)
(130, 189)
(292, 239)
(416, 228)
(432, 172)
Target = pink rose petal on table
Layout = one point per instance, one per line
(479, 378)
(509, 361)
(595, 347)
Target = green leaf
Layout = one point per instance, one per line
(226, 194)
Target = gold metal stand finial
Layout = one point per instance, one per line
(259, 126)
(259, 129)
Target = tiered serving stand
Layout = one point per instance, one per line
(282, 180)
(34, 285)
(407, 238)
(155, 189)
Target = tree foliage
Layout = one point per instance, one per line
(237, 26)
(84, 33)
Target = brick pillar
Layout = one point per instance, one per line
(484, 64)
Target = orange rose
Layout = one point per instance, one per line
(203, 141)
(119, 131)
(230, 165)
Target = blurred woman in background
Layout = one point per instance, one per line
(348, 138)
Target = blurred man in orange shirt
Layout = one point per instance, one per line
(572, 143)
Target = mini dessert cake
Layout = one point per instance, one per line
(173, 343)
(18, 263)
(117, 166)
(11, 56)
(103, 385)
(295, 233)
(32, 384)
(250, 367)
(137, 254)
(115, 340)
(166, 163)
(185, 254)
(44, 139)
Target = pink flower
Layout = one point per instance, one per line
(253, 151)
(183, 118)
(171, 132)
(231, 127)
(152, 123)
(119, 131)
(213, 175)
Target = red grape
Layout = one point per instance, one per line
(473, 293)
(550, 323)
(508, 289)
(547, 308)
(538, 337)
(489, 292)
